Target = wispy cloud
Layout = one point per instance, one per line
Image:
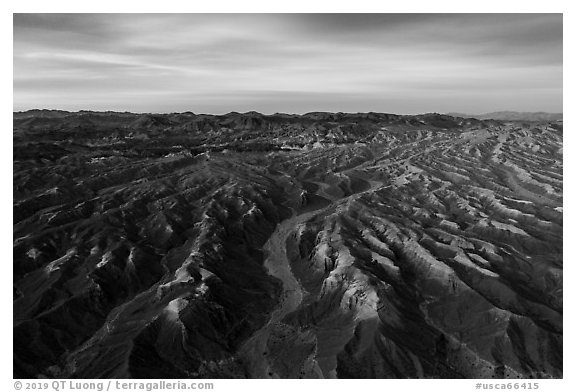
(288, 62)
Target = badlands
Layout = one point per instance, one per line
(323, 245)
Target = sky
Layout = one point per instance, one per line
(290, 63)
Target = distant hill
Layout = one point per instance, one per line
(513, 116)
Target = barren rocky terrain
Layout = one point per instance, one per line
(324, 245)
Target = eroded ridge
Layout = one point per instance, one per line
(323, 245)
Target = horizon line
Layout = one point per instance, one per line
(450, 113)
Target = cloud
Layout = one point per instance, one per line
(288, 62)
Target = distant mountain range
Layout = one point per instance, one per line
(512, 116)
(183, 123)
(501, 116)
